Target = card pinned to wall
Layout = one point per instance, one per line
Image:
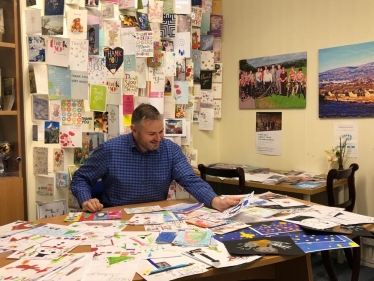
(78, 59)
(98, 95)
(58, 51)
(114, 62)
(76, 23)
(144, 44)
(180, 92)
(44, 189)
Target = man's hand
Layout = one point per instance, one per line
(93, 205)
(222, 204)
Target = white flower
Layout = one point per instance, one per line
(331, 156)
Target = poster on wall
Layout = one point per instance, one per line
(273, 82)
(345, 81)
(269, 133)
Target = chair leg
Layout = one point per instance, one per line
(328, 266)
(356, 262)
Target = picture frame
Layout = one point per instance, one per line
(175, 127)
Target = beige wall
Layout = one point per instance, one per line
(265, 28)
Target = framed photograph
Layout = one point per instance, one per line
(51, 209)
(175, 127)
(273, 82)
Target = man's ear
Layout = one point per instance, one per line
(133, 129)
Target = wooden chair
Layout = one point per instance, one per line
(227, 173)
(352, 255)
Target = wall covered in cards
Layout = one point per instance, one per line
(88, 64)
(256, 29)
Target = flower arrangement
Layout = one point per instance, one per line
(337, 153)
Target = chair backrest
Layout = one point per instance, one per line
(348, 174)
(226, 173)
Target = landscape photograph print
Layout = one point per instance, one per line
(272, 82)
(346, 81)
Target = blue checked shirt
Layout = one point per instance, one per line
(130, 176)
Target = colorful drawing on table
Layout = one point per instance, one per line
(218, 256)
(230, 227)
(241, 234)
(21, 241)
(50, 249)
(312, 222)
(35, 269)
(308, 185)
(232, 211)
(287, 202)
(275, 227)
(166, 237)
(188, 237)
(170, 268)
(139, 210)
(276, 245)
(101, 215)
(107, 265)
(183, 208)
(141, 219)
(50, 229)
(168, 226)
(112, 225)
(17, 226)
(315, 243)
(205, 223)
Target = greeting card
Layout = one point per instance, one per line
(107, 10)
(217, 105)
(98, 95)
(144, 44)
(195, 38)
(78, 59)
(71, 112)
(59, 84)
(114, 62)
(168, 6)
(93, 36)
(206, 119)
(206, 42)
(168, 64)
(40, 160)
(183, 23)
(196, 16)
(53, 7)
(143, 21)
(76, 23)
(111, 33)
(128, 40)
(206, 5)
(205, 22)
(96, 70)
(127, 4)
(196, 59)
(58, 159)
(156, 60)
(113, 120)
(129, 19)
(155, 11)
(168, 26)
(130, 83)
(182, 7)
(216, 25)
(51, 132)
(182, 44)
(114, 90)
(36, 48)
(79, 85)
(53, 25)
(41, 78)
(155, 27)
(40, 108)
(217, 6)
(217, 73)
(33, 20)
(180, 92)
(206, 79)
(58, 50)
(70, 136)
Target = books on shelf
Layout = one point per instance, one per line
(8, 93)
(2, 29)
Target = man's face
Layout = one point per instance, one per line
(148, 134)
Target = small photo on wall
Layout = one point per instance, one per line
(175, 127)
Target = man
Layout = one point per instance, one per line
(139, 167)
(277, 78)
(258, 76)
(268, 79)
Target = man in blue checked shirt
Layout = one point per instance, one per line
(139, 167)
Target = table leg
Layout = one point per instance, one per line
(306, 197)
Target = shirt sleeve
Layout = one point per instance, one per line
(88, 174)
(184, 175)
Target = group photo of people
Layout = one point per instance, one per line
(284, 76)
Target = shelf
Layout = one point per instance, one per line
(8, 113)
(8, 45)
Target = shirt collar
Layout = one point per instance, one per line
(134, 147)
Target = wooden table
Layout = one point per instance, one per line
(306, 193)
(278, 268)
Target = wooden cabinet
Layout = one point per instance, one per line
(12, 190)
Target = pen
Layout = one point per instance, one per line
(170, 268)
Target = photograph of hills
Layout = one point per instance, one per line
(346, 81)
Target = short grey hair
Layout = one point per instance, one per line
(145, 112)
